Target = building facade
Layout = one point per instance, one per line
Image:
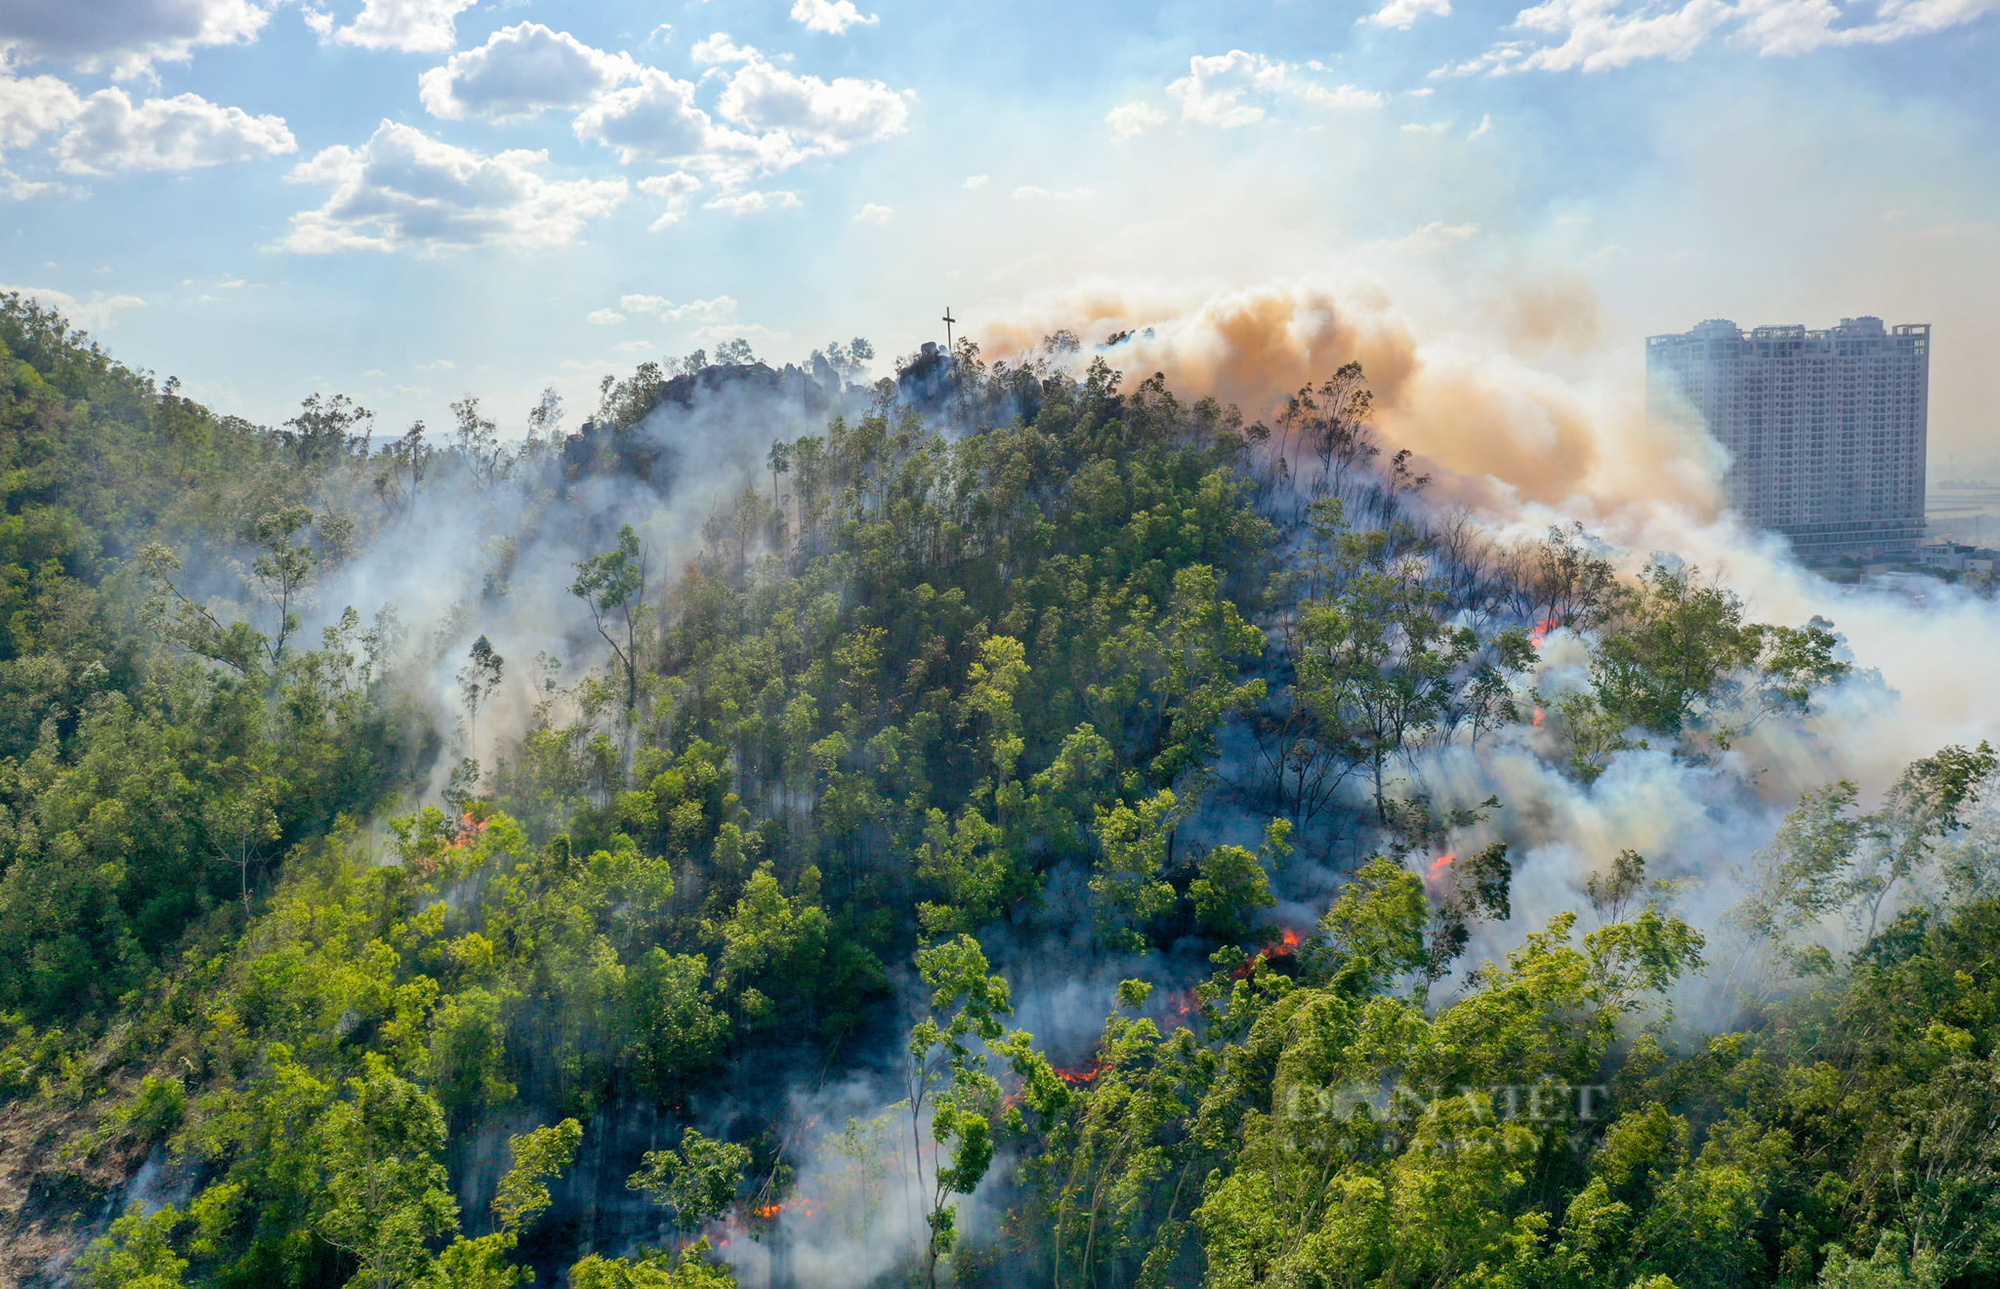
(1825, 429)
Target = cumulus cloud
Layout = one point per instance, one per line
(655, 119)
(830, 16)
(110, 133)
(831, 116)
(974, 183)
(1130, 120)
(604, 317)
(95, 313)
(678, 189)
(1434, 236)
(752, 202)
(1232, 90)
(1402, 14)
(874, 213)
(1600, 35)
(31, 106)
(403, 189)
(716, 49)
(717, 310)
(522, 71)
(770, 119)
(412, 26)
(126, 36)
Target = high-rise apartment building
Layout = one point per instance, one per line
(1825, 429)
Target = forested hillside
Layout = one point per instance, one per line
(995, 827)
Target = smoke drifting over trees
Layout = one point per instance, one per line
(1009, 824)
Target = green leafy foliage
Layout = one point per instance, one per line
(998, 682)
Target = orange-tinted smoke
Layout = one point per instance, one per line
(1493, 426)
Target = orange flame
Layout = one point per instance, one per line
(1078, 1075)
(1541, 632)
(1540, 716)
(1286, 945)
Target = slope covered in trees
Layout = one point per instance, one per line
(349, 947)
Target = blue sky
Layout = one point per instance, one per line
(408, 200)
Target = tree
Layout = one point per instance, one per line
(283, 569)
(478, 680)
(949, 1082)
(1233, 887)
(239, 826)
(402, 467)
(522, 1197)
(328, 430)
(613, 584)
(386, 1194)
(698, 1181)
(1377, 667)
(477, 441)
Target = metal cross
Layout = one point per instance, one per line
(948, 320)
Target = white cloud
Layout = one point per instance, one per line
(632, 346)
(1600, 35)
(181, 133)
(1231, 90)
(706, 311)
(655, 119)
(1341, 97)
(1435, 127)
(974, 183)
(737, 331)
(95, 313)
(766, 120)
(126, 36)
(1130, 120)
(678, 189)
(413, 26)
(439, 364)
(831, 116)
(749, 203)
(31, 106)
(872, 213)
(1030, 192)
(1434, 236)
(604, 318)
(1212, 91)
(520, 72)
(404, 189)
(830, 16)
(716, 49)
(1484, 128)
(1401, 14)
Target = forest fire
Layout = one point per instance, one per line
(801, 1205)
(1284, 947)
(1541, 632)
(1540, 716)
(1080, 1075)
(1438, 867)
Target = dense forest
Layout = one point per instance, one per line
(1004, 825)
